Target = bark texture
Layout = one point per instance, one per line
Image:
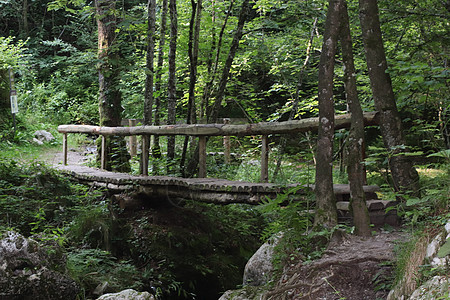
(110, 98)
(405, 177)
(148, 94)
(156, 150)
(355, 167)
(326, 212)
(171, 101)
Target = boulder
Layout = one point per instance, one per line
(42, 136)
(127, 295)
(246, 293)
(437, 287)
(259, 268)
(33, 270)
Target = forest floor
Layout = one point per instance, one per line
(353, 268)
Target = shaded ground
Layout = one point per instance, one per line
(353, 268)
(74, 157)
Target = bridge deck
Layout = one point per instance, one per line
(200, 189)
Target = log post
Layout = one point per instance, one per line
(65, 149)
(264, 158)
(133, 143)
(201, 156)
(226, 143)
(145, 154)
(103, 154)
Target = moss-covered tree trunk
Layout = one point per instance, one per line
(404, 175)
(355, 169)
(326, 212)
(110, 107)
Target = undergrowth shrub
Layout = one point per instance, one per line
(94, 267)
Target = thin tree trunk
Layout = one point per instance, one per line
(156, 150)
(5, 107)
(25, 17)
(214, 111)
(404, 175)
(212, 116)
(212, 72)
(326, 212)
(148, 95)
(110, 107)
(355, 167)
(294, 109)
(194, 32)
(171, 101)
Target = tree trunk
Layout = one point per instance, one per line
(212, 116)
(283, 139)
(148, 95)
(326, 212)
(171, 101)
(110, 107)
(355, 167)
(404, 175)
(5, 107)
(212, 67)
(156, 150)
(194, 32)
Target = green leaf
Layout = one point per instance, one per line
(415, 201)
(445, 249)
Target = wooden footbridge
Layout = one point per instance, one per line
(214, 190)
(204, 189)
(210, 190)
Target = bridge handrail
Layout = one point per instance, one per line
(204, 130)
(262, 128)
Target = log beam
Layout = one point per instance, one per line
(263, 128)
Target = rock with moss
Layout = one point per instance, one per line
(437, 255)
(246, 293)
(259, 269)
(437, 287)
(128, 294)
(33, 270)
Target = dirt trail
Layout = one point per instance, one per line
(353, 268)
(74, 157)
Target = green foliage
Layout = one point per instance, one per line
(93, 267)
(92, 226)
(11, 53)
(214, 242)
(289, 218)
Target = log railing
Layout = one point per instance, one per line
(202, 131)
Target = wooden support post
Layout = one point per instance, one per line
(201, 156)
(145, 154)
(133, 140)
(103, 154)
(264, 159)
(226, 143)
(65, 149)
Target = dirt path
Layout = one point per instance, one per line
(353, 268)
(74, 157)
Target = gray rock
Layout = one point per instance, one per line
(127, 295)
(33, 270)
(43, 136)
(247, 293)
(259, 268)
(437, 287)
(37, 142)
